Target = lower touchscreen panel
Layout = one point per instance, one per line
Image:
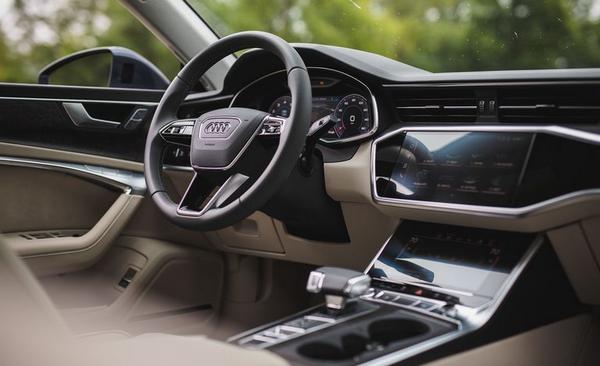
(471, 264)
(482, 168)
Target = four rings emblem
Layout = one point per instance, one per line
(218, 128)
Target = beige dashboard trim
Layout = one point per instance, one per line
(349, 181)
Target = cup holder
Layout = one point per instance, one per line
(381, 333)
(322, 351)
(389, 331)
(352, 345)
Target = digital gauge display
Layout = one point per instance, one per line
(352, 114)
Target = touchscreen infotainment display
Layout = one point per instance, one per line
(483, 168)
(469, 263)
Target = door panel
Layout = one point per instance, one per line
(37, 115)
(46, 123)
(71, 188)
(63, 217)
(41, 199)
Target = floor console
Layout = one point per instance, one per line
(429, 284)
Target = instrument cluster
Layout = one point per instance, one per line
(346, 100)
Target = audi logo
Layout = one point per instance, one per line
(217, 128)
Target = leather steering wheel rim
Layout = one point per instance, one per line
(292, 136)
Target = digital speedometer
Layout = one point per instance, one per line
(281, 107)
(353, 116)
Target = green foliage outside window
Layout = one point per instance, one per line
(436, 35)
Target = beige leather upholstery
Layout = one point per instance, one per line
(33, 334)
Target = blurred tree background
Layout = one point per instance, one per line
(436, 35)
(34, 33)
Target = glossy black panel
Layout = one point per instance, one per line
(34, 115)
(459, 167)
(558, 166)
(46, 124)
(474, 263)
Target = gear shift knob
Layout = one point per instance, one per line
(338, 285)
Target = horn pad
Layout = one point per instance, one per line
(221, 136)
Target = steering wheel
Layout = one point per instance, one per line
(220, 138)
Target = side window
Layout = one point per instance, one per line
(36, 33)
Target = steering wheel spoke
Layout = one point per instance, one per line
(200, 197)
(178, 131)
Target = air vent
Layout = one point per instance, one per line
(550, 104)
(557, 103)
(436, 104)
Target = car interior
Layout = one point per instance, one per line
(297, 204)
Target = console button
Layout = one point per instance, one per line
(386, 296)
(404, 301)
(280, 332)
(304, 323)
(252, 342)
(425, 305)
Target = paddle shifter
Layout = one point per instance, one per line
(338, 285)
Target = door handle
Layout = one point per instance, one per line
(81, 118)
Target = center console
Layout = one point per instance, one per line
(429, 284)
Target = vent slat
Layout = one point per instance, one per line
(436, 105)
(560, 103)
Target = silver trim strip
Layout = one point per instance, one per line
(511, 212)
(80, 100)
(332, 142)
(127, 181)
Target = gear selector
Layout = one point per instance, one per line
(338, 285)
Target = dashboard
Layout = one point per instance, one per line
(499, 149)
(345, 99)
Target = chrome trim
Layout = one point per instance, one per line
(509, 212)
(180, 168)
(339, 141)
(469, 319)
(127, 181)
(69, 100)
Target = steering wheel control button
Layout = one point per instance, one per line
(272, 126)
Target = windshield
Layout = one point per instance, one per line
(435, 35)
